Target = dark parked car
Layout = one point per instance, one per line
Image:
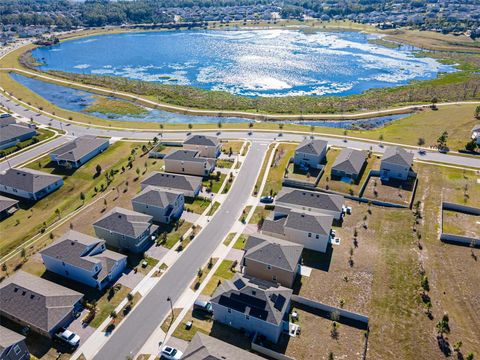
(266, 199)
(203, 305)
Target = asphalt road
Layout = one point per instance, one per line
(78, 130)
(145, 318)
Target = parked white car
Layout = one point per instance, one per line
(170, 353)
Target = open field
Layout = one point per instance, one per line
(110, 106)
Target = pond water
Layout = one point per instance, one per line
(79, 100)
(277, 62)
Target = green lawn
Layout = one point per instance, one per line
(240, 243)
(233, 145)
(227, 164)
(223, 273)
(229, 239)
(174, 235)
(197, 206)
(105, 305)
(258, 214)
(214, 208)
(262, 170)
(203, 274)
(277, 169)
(214, 182)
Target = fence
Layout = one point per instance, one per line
(459, 239)
(270, 353)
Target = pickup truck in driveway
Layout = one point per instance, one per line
(67, 337)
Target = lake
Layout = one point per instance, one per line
(245, 62)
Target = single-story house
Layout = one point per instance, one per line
(188, 162)
(207, 146)
(84, 259)
(204, 347)
(272, 259)
(476, 133)
(7, 206)
(29, 184)
(78, 151)
(39, 304)
(126, 230)
(163, 205)
(253, 305)
(349, 163)
(396, 164)
(309, 229)
(12, 345)
(310, 153)
(7, 119)
(12, 134)
(190, 186)
(311, 201)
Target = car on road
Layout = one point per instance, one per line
(422, 152)
(170, 353)
(266, 199)
(67, 337)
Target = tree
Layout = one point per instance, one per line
(469, 356)
(219, 124)
(477, 112)
(434, 103)
(250, 124)
(98, 169)
(471, 145)
(190, 126)
(443, 326)
(82, 197)
(130, 297)
(442, 140)
(425, 284)
(421, 141)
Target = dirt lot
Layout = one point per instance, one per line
(458, 223)
(399, 192)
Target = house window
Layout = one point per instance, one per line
(247, 317)
(17, 349)
(274, 278)
(309, 234)
(317, 236)
(229, 310)
(269, 267)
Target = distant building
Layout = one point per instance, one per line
(207, 146)
(272, 259)
(84, 259)
(188, 162)
(310, 153)
(12, 345)
(190, 186)
(126, 229)
(309, 229)
(311, 201)
(476, 133)
(252, 305)
(7, 206)
(29, 184)
(163, 205)
(39, 304)
(7, 119)
(204, 347)
(349, 163)
(78, 151)
(396, 164)
(12, 134)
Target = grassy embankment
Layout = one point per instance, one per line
(112, 106)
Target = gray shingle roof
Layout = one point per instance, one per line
(316, 201)
(36, 301)
(350, 161)
(312, 146)
(204, 347)
(278, 253)
(6, 203)
(125, 222)
(9, 338)
(202, 140)
(158, 197)
(7, 120)
(27, 179)
(188, 155)
(254, 297)
(309, 222)
(78, 148)
(398, 156)
(14, 131)
(173, 181)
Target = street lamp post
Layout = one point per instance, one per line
(171, 321)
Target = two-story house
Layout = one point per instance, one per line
(12, 345)
(207, 146)
(310, 153)
(85, 259)
(126, 230)
(29, 184)
(396, 164)
(190, 186)
(163, 205)
(349, 164)
(253, 305)
(78, 151)
(204, 347)
(189, 162)
(272, 259)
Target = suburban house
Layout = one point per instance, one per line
(309, 229)
(272, 259)
(163, 205)
(7, 206)
(12, 134)
(476, 133)
(78, 151)
(207, 146)
(188, 162)
(190, 186)
(29, 184)
(12, 345)
(349, 164)
(253, 305)
(126, 230)
(310, 201)
(84, 259)
(396, 164)
(39, 304)
(7, 119)
(204, 347)
(310, 153)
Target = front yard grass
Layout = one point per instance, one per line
(106, 304)
(214, 182)
(223, 272)
(259, 214)
(202, 274)
(229, 239)
(262, 174)
(277, 169)
(224, 164)
(233, 146)
(197, 205)
(173, 234)
(240, 243)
